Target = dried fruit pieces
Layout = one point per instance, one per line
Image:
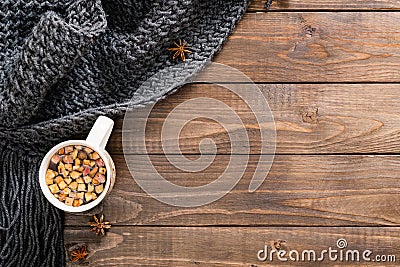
(50, 174)
(58, 179)
(94, 155)
(77, 202)
(90, 188)
(100, 162)
(82, 155)
(81, 187)
(68, 159)
(76, 175)
(69, 201)
(93, 171)
(68, 149)
(87, 179)
(100, 178)
(73, 185)
(62, 185)
(54, 188)
(99, 189)
(88, 197)
(86, 171)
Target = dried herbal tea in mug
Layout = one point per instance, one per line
(76, 175)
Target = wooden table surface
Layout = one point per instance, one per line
(330, 71)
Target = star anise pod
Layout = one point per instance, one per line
(99, 225)
(180, 50)
(79, 254)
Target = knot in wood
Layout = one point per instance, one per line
(310, 115)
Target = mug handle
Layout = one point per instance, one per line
(100, 132)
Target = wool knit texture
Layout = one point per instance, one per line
(65, 62)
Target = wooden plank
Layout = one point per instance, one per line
(309, 118)
(299, 191)
(259, 5)
(233, 246)
(316, 47)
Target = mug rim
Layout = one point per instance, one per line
(44, 166)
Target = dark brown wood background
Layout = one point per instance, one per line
(330, 71)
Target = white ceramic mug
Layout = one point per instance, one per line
(96, 140)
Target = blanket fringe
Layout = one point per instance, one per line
(30, 228)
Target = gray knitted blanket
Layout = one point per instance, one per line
(62, 64)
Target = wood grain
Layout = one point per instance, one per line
(227, 246)
(258, 5)
(309, 118)
(299, 191)
(316, 47)
(311, 197)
